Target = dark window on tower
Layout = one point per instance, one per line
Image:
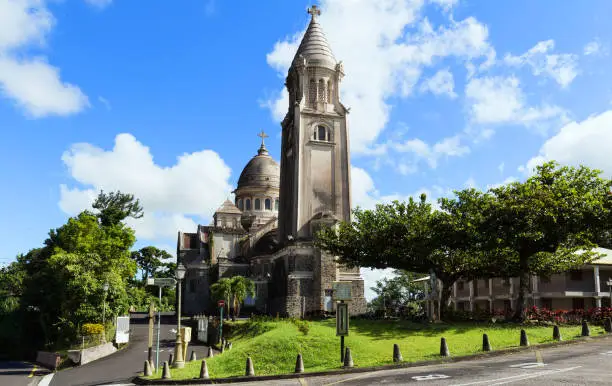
(240, 206)
(268, 204)
(276, 204)
(257, 204)
(248, 204)
(321, 133)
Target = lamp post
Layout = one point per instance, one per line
(105, 288)
(179, 361)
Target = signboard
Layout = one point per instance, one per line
(122, 334)
(162, 281)
(342, 319)
(342, 290)
(203, 330)
(221, 303)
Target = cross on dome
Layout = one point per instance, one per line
(262, 135)
(314, 11)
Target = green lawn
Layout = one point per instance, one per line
(273, 346)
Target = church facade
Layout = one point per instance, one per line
(267, 234)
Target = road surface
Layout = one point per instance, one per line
(121, 366)
(20, 374)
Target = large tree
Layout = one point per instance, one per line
(549, 223)
(115, 207)
(150, 260)
(414, 237)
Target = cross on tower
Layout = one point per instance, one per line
(314, 11)
(262, 135)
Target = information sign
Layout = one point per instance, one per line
(162, 281)
(342, 290)
(221, 303)
(342, 319)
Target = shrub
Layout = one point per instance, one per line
(90, 329)
(302, 325)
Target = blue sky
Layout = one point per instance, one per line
(165, 100)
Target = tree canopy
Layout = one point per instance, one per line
(150, 260)
(115, 207)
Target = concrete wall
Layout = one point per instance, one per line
(50, 360)
(87, 355)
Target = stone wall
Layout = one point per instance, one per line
(49, 360)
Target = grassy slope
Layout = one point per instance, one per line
(273, 346)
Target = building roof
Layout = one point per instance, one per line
(314, 46)
(606, 259)
(261, 171)
(228, 207)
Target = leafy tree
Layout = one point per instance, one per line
(241, 287)
(149, 260)
(414, 237)
(539, 225)
(222, 290)
(115, 207)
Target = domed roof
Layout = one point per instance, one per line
(261, 171)
(228, 207)
(314, 46)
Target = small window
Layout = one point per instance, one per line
(321, 133)
(248, 204)
(257, 204)
(268, 204)
(240, 206)
(276, 204)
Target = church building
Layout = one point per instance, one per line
(267, 233)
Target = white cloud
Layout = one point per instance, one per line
(379, 31)
(442, 83)
(497, 100)
(446, 5)
(501, 167)
(194, 186)
(560, 67)
(587, 143)
(105, 102)
(592, 48)
(31, 82)
(99, 3)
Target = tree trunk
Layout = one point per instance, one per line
(519, 313)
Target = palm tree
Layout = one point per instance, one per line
(222, 290)
(241, 287)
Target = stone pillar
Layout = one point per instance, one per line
(597, 286)
(455, 296)
(471, 285)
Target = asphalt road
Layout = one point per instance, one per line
(20, 374)
(121, 366)
(580, 364)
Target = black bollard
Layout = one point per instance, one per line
(608, 325)
(585, 329)
(524, 340)
(250, 371)
(486, 345)
(147, 369)
(348, 358)
(444, 348)
(171, 358)
(166, 371)
(299, 364)
(397, 355)
(193, 356)
(203, 370)
(210, 352)
(557, 334)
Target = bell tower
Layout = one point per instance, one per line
(315, 164)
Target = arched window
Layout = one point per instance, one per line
(321, 133)
(322, 93)
(276, 204)
(240, 205)
(257, 204)
(248, 204)
(268, 204)
(312, 91)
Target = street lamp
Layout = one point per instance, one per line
(105, 288)
(179, 361)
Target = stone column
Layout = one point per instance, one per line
(597, 286)
(471, 285)
(455, 296)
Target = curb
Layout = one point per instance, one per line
(491, 354)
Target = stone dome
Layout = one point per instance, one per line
(261, 171)
(314, 46)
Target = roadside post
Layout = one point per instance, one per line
(160, 283)
(342, 295)
(221, 304)
(151, 325)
